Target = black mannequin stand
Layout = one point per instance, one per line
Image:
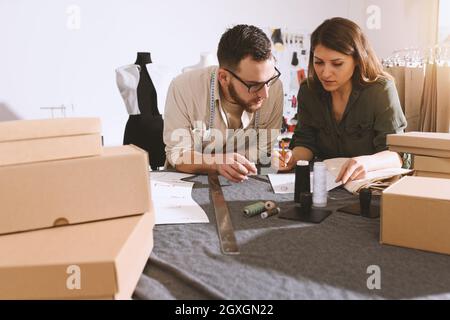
(146, 129)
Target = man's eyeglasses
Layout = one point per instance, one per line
(254, 88)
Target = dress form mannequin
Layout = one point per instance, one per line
(145, 130)
(206, 59)
(146, 91)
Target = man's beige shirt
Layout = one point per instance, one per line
(187, 117)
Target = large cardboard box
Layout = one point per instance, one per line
(26, 141)
(96, 260)
(415, 213)
(421, 143)
(45, 194)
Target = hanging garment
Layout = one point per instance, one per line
(414, 81)
(301, 75)
(428, 108)
(145, 125)
(443, 99)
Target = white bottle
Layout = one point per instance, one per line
(320, 192)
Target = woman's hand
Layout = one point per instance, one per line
(352, 169)
(283, 161)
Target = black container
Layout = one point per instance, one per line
(302, 180)
(306, 202)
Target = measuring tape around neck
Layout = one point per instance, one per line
(212, 104)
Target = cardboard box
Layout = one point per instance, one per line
(432, 164)
(26, 141)
(421, 143)
(93, 260)
(415, 213)
(45, 194)
(429, 174)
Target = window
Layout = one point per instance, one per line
(444, 21)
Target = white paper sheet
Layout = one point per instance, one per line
(172, 199)
(169, 176)
(285, 182)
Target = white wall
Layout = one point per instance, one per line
(444, 21)
(43, 63)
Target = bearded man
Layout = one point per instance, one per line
(226, 118)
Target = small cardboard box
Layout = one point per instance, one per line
(429, 174)
(415, 213)
(432, 167)
(421, 143)
(46, 194)
(26, 141)
(96, 260)
(432, 164)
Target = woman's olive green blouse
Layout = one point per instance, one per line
(372, 112)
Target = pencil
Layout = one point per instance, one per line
(283, 154)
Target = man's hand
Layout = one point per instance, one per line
(234, 167)
(352, 169)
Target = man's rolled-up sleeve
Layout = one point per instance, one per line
(177, 126)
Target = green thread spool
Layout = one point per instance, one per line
(254, 209)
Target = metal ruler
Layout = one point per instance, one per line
(225, 230)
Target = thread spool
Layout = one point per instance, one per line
(320, 193)
(270, 213)
(306, 202)
(302, 179)
(255, 209)
(270, 205)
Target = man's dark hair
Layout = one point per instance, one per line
(241, 41)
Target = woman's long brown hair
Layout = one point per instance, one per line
(346, 37)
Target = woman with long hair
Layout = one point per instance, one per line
(347, 106)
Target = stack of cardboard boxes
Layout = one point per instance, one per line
(431, 152)
(415, 211)
(75, 218)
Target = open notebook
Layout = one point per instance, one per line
(284, 183)
(372, 178)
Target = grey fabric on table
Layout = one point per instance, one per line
(282, 259)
